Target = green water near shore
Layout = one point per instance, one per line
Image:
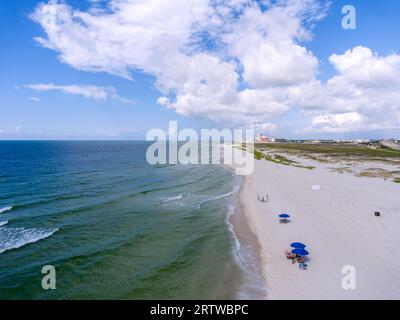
(112, 226)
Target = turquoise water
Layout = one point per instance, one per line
(112, 226)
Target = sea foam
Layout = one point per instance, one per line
(172, 198)
(221, 196)
(13, 238)
(253, 286)
(2, 210)
(3, 223)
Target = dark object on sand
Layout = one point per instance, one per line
(303, 266)
(377, 214)
(283, 218)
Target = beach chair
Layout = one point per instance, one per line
(303, 266)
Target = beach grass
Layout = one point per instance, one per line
(258, 155)
(375, 173)
(276, 158)
(334, 149)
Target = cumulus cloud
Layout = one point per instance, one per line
(266, 43)
(34, 99)
(363, 96)
(363, 68)
(236, 62)
(335, 122)
(88, 91)
(193, 48)
(126, 35)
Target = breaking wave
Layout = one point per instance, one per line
(13, 238)
(2, 210)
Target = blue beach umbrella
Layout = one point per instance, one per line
(300, 252)
(298, 245)
(284, 216)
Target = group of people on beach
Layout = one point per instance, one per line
(296, 258)
(301, 260)
(262, 198)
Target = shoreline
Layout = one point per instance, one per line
(246, 248)
(248, 253)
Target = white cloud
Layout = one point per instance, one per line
(335, 122)
(88, 91)
(136, 34)
(363, 68)
(266, 43)
(35, 99)
(166, 39)
(364, 95)
(265, 127)
(10, 129)
(230, 61)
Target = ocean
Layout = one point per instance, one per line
(113, 226)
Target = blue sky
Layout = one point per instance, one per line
(133, 106)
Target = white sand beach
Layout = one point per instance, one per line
(338, 225)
